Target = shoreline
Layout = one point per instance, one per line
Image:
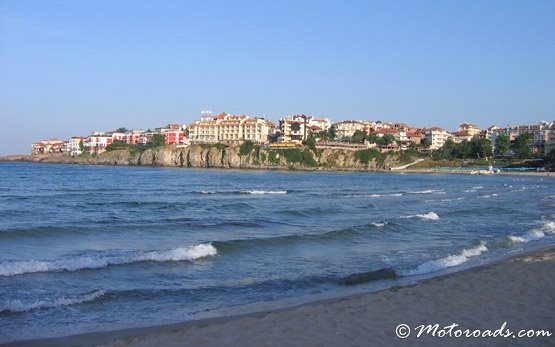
(519, 290)
(408, 170)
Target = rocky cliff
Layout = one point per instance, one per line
(217, 156)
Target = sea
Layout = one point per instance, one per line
(97, 248)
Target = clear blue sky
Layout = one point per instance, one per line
(70, 67)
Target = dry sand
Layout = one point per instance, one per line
(518, 291)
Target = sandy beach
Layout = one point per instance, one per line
(507, 297)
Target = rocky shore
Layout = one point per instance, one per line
(204, 156)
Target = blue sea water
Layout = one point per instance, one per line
(92, 248)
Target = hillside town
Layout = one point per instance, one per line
(295, 130)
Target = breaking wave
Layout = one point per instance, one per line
(447, 262)
(238, 192)
(534, 234)
(428, 191)
(487, 196)
(262, 192)
(17, 305)
(428, 216)
(101, 261)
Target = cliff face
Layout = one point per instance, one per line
(258, 158)
(197, 156)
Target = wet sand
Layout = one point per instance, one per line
(518, 292)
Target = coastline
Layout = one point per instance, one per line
(519, 291)
(118, 161)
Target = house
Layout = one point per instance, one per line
(136, 137)
(97, 142)
(468, 128)
(461, 136)
(174, 137)
(74, 145)
(347, 128)
(47, 147)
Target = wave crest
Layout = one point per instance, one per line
(427, 216)
(447, 262)
(17, 305)
(534, 234)
(263, 192)
(100, 261)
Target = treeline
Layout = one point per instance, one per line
(478, 148)
(358, 137)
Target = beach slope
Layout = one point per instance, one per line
(515, 294)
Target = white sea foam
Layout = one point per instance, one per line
(100, 261)
(427, 216)
(535, 234)
(384, 195)
(17, 305)
(429, 191)
(447, 262)
(487, 196)
(477, 187)
(261, 192)
(379, 224)
(454, 199)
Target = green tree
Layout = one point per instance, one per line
(332, 134)
(358, 137)
(158, 140)
(373, 138)
(464, 150)
(386, 140)
(502, 144)
(81, 146)
(521, 145)
(310, 142)
(449, 150)
(121, 130)
(481, 148)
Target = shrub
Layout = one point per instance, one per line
(364, 156)
(296, 155)
(273, 157)
(115, 145)
(408, 156)
(246, 148)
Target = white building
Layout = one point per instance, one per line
(436, 136)
(230, 129)
(347, 128)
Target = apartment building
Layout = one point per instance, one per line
(436, 136)
(230, 129)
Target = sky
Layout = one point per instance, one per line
(71, 67)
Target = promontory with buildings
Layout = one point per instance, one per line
(296, 141)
